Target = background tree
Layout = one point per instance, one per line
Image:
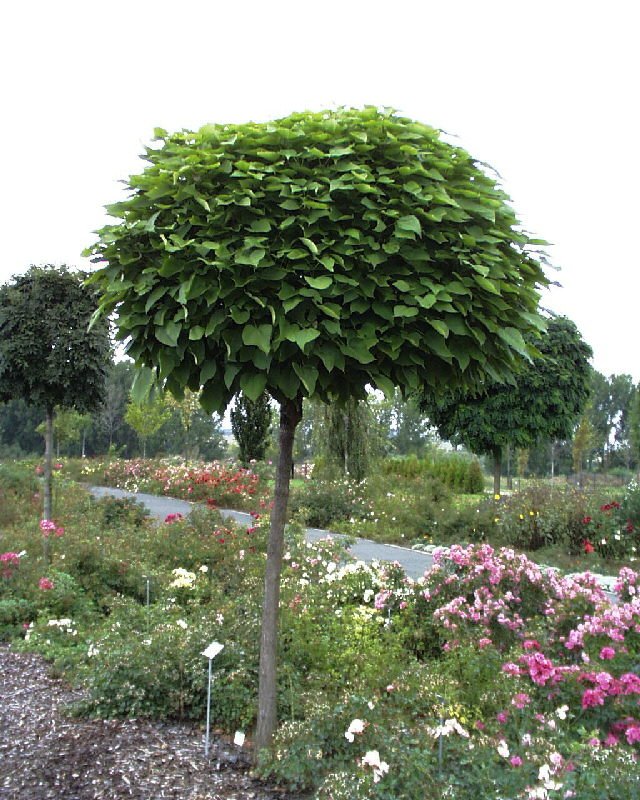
(147, 418)
(348, 432)
(634, 427)
(19, 428)
(584, 440)
(523, 462)
(543, 403)
(609, 414)
(311, 257)
(47, 355)
(68, 427)
(402, 423)
(308, 431)
(251, 422)
(110, 430)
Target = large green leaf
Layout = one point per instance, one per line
(253, 385)
(308, 375)
(301, 336)
(440, 326)
(311, 245)
(250, 257)
(404, 311)
(514, 339)
(321, 283)
(410, 223)
(169, 333)
(258, 336)
(143, 380)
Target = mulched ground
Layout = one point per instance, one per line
(46, 754)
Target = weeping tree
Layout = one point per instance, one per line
(251, 425)
(544, 401)
(348, 434)
(310, 257)
(47, 355)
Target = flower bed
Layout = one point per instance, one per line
(216, 484)
(489, 677)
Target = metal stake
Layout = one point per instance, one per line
(206, 739)
(211, 652)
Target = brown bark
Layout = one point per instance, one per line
(290, 415)
(497, 463)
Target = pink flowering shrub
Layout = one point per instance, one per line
(49, 527)
(8, 562)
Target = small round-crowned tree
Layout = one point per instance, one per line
(544, 402)
(309, 257)
(47, 355)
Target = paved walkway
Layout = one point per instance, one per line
(413, 562)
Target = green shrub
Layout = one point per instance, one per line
(458, 472)
(630, 506)
(324, 502)
(15, 613)
(115, 512)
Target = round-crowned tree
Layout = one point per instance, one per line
(544, 402)
(47, 355)
(309, 257)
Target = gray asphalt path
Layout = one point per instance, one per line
(413, 562)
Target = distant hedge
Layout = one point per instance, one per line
(461, 473)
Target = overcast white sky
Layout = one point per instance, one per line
(546, 92)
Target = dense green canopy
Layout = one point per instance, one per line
(543, 404)
(47, 356)
(314, 255)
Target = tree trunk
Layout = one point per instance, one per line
(290, 416)
(553, 462)
(509, 475)
(48, 456)
(497, 463)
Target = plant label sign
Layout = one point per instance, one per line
(213, 650)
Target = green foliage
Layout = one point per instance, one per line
(610, 414)
(347, 440)
(458, 472)
(544, 402)
(251, 425)
(630, 509)
(18, 477)
(403, 427)
(116, 512)
(324, 502)
(147, 418)
(46, 353)
(383, 508)
(584, 440)
(314, 255)
(18, 434)
(634, 425)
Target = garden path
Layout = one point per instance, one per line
(414, 562)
